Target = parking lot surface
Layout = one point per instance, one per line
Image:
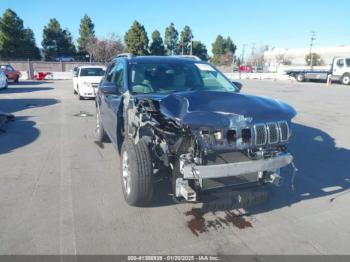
(60, 193)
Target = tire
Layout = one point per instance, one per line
(74, 92)
(6, 84)
(79, 96)
(16, 79)
(136, 173)
(300, 77)
(345, 80)
(100, 132)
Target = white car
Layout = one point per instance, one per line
(3, 80)
(86, 80)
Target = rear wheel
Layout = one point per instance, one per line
(16, 79)
(137, 171)
(345, 80)
(300, 77)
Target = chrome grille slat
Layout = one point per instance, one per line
(260, 134)
(284, 131)
(273, 133)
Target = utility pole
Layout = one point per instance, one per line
(242, 60)
(252, 54)
(313, 38)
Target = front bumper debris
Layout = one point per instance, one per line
(193, 171)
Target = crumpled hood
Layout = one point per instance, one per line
(222, 109)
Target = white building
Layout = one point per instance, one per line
(297, 55)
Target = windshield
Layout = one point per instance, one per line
(92, 72)
(177, 77)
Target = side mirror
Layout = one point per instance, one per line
(109, 88)
(239, 85)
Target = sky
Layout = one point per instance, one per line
(284, 24)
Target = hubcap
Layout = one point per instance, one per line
(346, 80)
(126, 173)
(98, 123)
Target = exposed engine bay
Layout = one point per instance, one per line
(208, 149)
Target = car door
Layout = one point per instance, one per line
(339, 67)
(112, 102)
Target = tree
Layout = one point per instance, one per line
(223, 51)
(136, 39)
(170, 39)
(199, 49)
(157, 46)
(57, 42)
(218, 48)
(16, 42)
(229, 46)
(86, 31)
(316, 59)
(186, 37)
(103, 50)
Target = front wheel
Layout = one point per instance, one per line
(16, 79)
(300, 77)
(79, 96)
(101, 135)
(137, 171)
(345, 80)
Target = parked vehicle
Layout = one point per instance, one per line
(11, 73)
(3, 80)
(339, 71)
(183, 115)
(245, 69)
(64, 59)
(86, 80)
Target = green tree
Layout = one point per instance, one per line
(316, 59)
(171, 38)
(157, 46)
(16, 42)
(57, 42)
(186, 37)
(136, 39)
(200, 50)
(223, 50)
(218, 49)
(86, 31)
(230, 47)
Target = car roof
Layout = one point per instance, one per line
(92, 66)
(158, 59)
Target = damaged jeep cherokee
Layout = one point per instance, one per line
(184, 116)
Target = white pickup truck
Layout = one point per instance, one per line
(339, 71)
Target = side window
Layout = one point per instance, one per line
(119, 76)
(347, 61)
(110, 72)
(340, 62)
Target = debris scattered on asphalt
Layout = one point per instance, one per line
(198, 224)
(83, 114)
(4, 118)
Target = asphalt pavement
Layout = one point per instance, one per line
(60, 193)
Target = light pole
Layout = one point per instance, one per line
(313, 38)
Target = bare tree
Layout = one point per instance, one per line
(103, 50)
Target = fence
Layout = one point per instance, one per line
(31, 67)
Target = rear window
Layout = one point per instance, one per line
(92, 72)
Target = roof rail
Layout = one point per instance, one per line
(193, 57)
(128, 55)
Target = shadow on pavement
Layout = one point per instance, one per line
(21, 131)
(15, 105)
(12, 90)
(323, 171)
(28, 82)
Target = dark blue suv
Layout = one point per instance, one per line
(183, 116)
